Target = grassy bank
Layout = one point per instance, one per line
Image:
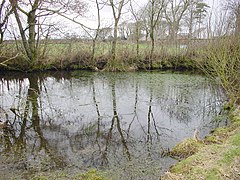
(72, 55)
(217, 158)
(218, 155)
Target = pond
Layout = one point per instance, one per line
(120, 123)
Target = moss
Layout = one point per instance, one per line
(186, 148)
(227, 106)
(211, 140)
(90, 175)
(40, 178)
(50, 175)
(221, 133)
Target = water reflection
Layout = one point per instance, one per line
(81, 120)
(23, 143)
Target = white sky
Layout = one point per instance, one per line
(107, 16)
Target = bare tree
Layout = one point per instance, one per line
(5, 12)
(145, 22)
(97, 30)
(31, 11)
(155, 10)
(137, 15)
(222, 25)
(29, 41)
(116, 7)
(234, 6)
(104, 33)
(174, 14)
(125, 29)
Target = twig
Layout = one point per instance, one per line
(3, 63)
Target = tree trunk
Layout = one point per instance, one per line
(173, 32)
(146, 36)
(29, 43)
(32, 35)
(96, 36)
(93, 51)
(22, 33)
(152, 48)
(237, 30)
(1, 36)
(114, 42)
(137, 39)
(190, 29)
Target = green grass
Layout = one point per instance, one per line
(236, 140)
(89, 175)
(67, 54)
(212, 174)
(213, 161)
(187, 148)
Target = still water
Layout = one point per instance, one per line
(120, 123)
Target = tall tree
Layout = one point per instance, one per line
(195, 14)
(174, 14)
(116, 6)
(234, 6)
(97, 30)
(29, 41)
(28, 14)
(200, 14)
(155, 10)
(125, 29)
(5, 12)
(137, 16)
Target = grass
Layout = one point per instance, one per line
(186, 148)
(90, 175)
(217, 160)
(78, 55)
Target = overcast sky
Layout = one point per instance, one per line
(107, 16)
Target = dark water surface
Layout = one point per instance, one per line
(121, 123)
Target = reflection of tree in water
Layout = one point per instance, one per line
(183, 101)
(116, 119)
(19, 138)
(127, 132)
(108, 140)
(135, 114)
(95, 143)
(180, 108)
(154, 130)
